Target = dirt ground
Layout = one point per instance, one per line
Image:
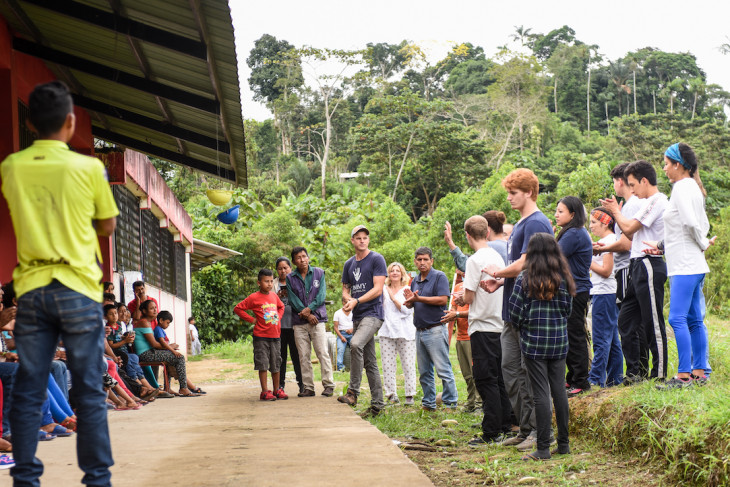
(230, 438)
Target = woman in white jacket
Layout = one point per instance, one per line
(397, 335)
(684, 245)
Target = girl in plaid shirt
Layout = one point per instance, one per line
(539, 306)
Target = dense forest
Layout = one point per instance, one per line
(382, 136)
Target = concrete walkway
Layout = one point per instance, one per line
(230, 438)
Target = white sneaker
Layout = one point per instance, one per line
(410, 401)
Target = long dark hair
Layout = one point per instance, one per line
(545, 268)
(688, 154)
(575, 206)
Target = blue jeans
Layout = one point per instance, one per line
(45, 315)
(432, 349)
(686, 318)
(608, 359)
(8, 371)
(341, 346)
(58, 371)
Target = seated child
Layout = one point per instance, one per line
(164, 318)
(268, 309)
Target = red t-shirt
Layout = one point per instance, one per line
(268, 309)
(132, 307)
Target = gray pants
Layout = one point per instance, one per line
(307, 336)
(516, 381)
(547, 378)
(362, 353)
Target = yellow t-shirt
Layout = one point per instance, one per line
(54, 194)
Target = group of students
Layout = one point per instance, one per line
(520, 312)
(132, 338)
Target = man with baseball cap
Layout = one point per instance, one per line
(363, 278)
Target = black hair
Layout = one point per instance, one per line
(265, 273)
(575, 206)
(545, 268)
(137, 284)
(106, 284)
(110, 297)
(424, 251)
(618, 171)
(49, 104)
(108, 307)
(145, 305)
(688, 154)
(164, 315)
(611, 224)
(641, 169)
(297, 250)
(191, 319)
(8, 294)
(120, 304)
(280, 260)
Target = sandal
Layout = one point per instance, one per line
(60, 431)
(198, 390)
(150, 396)
(69, 423)
(43, 436)
(189, 395)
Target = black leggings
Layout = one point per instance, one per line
(287, 342)
(169, 358)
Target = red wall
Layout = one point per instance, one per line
(19, 74)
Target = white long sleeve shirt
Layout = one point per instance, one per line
(685, 230)
(397, 323)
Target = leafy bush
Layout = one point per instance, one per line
(215, 293)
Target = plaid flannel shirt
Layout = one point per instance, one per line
(543, 324)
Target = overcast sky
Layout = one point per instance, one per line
(617, 27)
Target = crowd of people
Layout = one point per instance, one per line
(518, 308)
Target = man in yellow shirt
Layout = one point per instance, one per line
(59, 202)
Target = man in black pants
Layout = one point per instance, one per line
(485, 331)
(642, 308)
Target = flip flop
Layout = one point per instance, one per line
(61, 431)
(532, 457)
(164, 395)
(198, 390)
(188, 395)
(150, 396)
(43, 436)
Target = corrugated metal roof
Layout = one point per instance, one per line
(206, 253)
(158, 76)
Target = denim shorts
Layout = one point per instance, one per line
(267, 354)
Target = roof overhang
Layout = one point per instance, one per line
(206, 253)
(157, 76)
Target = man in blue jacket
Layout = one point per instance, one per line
(307, 290)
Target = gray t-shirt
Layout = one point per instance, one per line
(286, 319)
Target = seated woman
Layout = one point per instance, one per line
(151, 350)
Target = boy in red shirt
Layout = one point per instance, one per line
(268, 310)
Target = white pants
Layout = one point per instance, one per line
(389, 347)
(197, 348)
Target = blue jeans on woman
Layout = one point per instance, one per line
(686, 318)
(341, 346)
(44, 315)
(432, 352)
(608, 359)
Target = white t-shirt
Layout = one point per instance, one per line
(621, 260)
(651, 217)
(193, 331)
(485, 312)
(344, 321)
(604, 285)
(398, 323)
(685, 230)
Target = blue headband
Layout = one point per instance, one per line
(674, 154)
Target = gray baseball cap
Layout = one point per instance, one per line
(359, 228)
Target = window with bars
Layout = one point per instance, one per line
(151, 249)
(127, 237)
(180, 274)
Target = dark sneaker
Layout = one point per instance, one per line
(328, 391)
(306, 393)
(631, 380)
(350, 399)
(267, 396)
(479, 440)
(512, 441)
(428, 409)
(699, 380)
(370, 412)
(675, 383)
(280, 394)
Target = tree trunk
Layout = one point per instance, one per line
(653, 95)
(634, 92)
(403, 163)
(608, 124)
(694, 106)
(327, 140)
(588, 102)
(555, 94)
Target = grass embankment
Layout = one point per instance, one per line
(687, 432)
